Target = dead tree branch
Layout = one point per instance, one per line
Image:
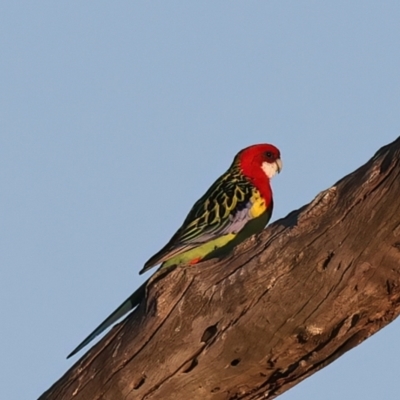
(252, 325)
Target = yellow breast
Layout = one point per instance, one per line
(258, 204)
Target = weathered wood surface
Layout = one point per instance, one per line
(285, 304)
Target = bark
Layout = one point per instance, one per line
(282, 306)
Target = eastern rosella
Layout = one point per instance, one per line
(238, 205)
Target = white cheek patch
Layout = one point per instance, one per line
(270, 169)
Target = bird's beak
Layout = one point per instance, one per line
(279, 165)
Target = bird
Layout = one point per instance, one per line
(236, 206)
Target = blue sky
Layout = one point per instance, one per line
(115, 118)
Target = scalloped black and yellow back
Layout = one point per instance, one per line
(215, 219)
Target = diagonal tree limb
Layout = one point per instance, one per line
(252, 325)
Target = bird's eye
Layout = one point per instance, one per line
(268, 154)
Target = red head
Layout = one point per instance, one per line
(259, 163)
(260, 157)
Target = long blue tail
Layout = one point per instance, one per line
(129, 304)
